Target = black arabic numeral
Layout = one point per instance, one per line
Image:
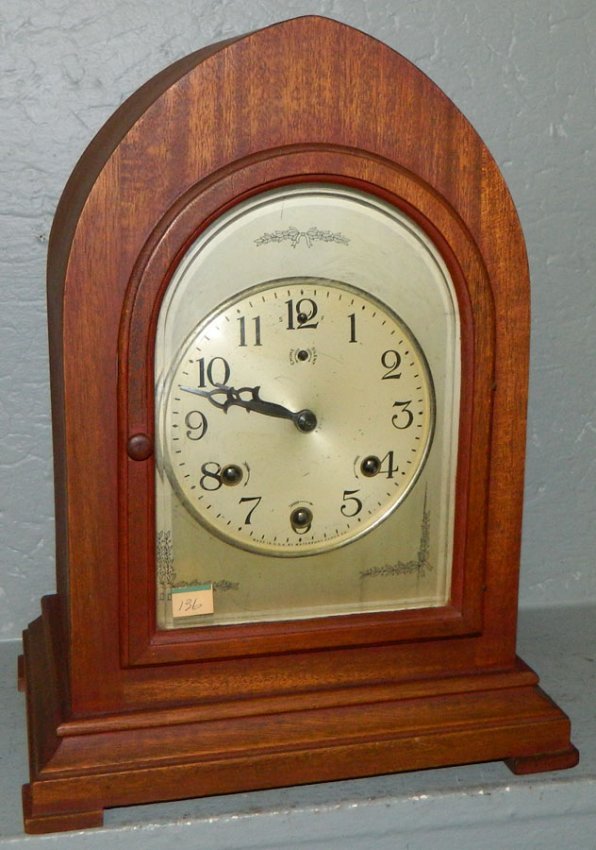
(391, 360)
(351, 510)
(256, 500)
(211, 476)
(212, 371)
(257, 337)
(197, 428)
(302, 314)
(352, 318)
(398, 420)
(390, 469)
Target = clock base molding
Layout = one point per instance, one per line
(79, 766)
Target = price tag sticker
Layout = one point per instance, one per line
(192, 601)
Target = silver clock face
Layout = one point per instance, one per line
(297, 416)
(307, 403)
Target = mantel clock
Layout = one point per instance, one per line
(288, 306)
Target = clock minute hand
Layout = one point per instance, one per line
(304, 420)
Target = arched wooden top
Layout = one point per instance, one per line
(270, 89)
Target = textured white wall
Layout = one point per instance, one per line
(522, 71)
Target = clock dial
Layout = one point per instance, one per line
(297, 416)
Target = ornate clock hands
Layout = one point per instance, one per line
(304, 420)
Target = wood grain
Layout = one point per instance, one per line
(121, 713)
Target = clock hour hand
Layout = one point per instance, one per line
(304, 420)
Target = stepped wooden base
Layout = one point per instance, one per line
(80, 767)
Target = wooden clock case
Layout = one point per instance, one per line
(121, 713)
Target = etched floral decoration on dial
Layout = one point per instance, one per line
(297, 416)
